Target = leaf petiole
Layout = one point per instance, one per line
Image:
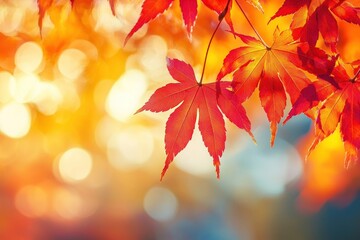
(356, 75)
(252, 26)
(207, 51)
(221, 18)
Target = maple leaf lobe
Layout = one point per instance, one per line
(150, 9)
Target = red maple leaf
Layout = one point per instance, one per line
(338, 96)
(113, 6)
(274, 69)
(221, 7)
(45, 5)
(152, 8)
(8, 48)
(85, 4)
(312, 17)
(192, 97)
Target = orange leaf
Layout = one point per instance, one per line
(112, 4)
(340, 106)
(43, 6)
(274, 67)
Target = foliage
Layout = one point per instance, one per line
(278, 69)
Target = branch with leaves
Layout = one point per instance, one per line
(279, 71)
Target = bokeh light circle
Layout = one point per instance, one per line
(72, 63)
(130, 148)
(6, 81)
(28, 57)
(75, 165)
(160, 204)
(31, 201)
(124, 97)
(67, 204)
(199, 164)
(15, 120)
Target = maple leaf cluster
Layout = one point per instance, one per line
(280, 71)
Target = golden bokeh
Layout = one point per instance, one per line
(76, 162)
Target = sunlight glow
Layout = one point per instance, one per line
(160, 204)
(127, 15)
(130, 148)
(72, 63)
(67, 204)
(10, 19)
(15, 120)
(105, 129)
(153, 52)
(31, 201)
(325, 176)
(75, 165)
(48, 98)
(104, 18)
(24, 87)
(199, 164)
(126, 94)
(72, 205)
(28, 57)
(86, 47)
(6, 80)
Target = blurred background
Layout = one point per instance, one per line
(76, 163)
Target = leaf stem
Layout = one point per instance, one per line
(251, 25)
(221, 18)
(356, 75)
(337, 4)
(208, 48)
